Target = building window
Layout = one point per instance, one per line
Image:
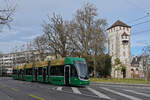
(124, 54)
(127, 29)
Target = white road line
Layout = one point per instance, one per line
(59, 88)
(101, 95)
(139, 93)
(76, 90)
(121, 94)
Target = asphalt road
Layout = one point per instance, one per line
(21, 90)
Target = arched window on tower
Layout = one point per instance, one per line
(125, 38)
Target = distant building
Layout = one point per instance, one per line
(119, 47)
(137, 68)
(7, 61)
(52, 57)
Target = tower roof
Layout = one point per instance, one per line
(119, 23)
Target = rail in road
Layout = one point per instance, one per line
(21, 90)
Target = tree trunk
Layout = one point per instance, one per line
(94, 58)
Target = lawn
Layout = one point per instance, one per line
(121, 80)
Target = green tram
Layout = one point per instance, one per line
(65, 71)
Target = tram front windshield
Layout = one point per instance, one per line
(82, 69)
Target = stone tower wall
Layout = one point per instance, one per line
(119, 47)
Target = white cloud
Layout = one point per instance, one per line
(140, 40)
(140, 43)
(6, 33)
(31, 37)
(29, 14)
(10, 46)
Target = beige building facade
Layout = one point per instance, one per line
(119, 48)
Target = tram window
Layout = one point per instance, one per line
(57, 71)
(29, 71)
(40, 71)
(73, 72)
(22, 72)
(52, 71)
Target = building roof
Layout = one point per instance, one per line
(119, 23)
(135, 61)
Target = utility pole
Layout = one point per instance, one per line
(0, 70)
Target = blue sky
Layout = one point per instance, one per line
(31, 13)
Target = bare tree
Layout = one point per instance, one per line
(40, 45)
(6, 12)
(56, 33)
(146, 62)
(87, 33)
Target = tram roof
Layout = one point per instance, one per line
(55, 62)
(21, 67)
(28, 65)
(41, 64)
(58, 62)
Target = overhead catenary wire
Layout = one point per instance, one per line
(140, 18)
(140, 32)
(140, 23)
(134, 4)
(140, 7)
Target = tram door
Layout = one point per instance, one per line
(67, 74)
(44, 74)
(22, 72)
(18, 73)
(36, 74)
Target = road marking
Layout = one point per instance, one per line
(76, 90)
(139, 93)
(14, 89)
(121, 94)
(36, 97)
(59, 89)
(3, 86)
(101, 95)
